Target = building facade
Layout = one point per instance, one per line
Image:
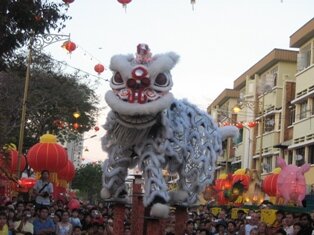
(275, 108)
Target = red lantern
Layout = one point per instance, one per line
(67, 173)
(11, 163)
(96, 128)
(99, 68)
(69, 46)
(269, 184)
(239, 125)
(47, 155)
(74, 204)
(124, 2)
(244, 179)
(27, 183)
(252, 124)
(76, 125)
(68, 1)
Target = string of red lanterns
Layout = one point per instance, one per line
(240, 125)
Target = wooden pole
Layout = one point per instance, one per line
(181, 219)
(137, 217)
(118, 221)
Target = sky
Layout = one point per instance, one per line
(217, 42)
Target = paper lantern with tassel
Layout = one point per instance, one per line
(47, 155)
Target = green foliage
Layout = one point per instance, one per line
(20, 18)
(53, 96)
(88, 179)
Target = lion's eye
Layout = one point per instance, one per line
(161, 80)
(117, 79)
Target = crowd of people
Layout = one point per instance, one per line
(44, 216)
(18, 217)
(202, 222)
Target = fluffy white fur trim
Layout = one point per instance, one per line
(104, 193)
(229, 131)
(123, 64)
(178, 196)
(124, 108)
(159, 210)
(162, 63)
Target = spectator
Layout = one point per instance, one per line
(189, 230)
(296, 228)
(77, 230)
(306, 224)
(231, 228)
(24, 225)
(280, 232)
(74, 219)
(64, 227)
(253, 231)
(4, 229)
(43, 224)
(253, 221)
(262, 229)
(289, 223)
(43, 190)
(221, 228)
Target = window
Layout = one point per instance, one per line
(291, 115)
(240, 138)
(311, 154)
(303, 110)
(290, 157)
(304, 58)
(269, 123)
(299, 156)
(268, 164)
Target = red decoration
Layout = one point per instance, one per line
(69, 46)
(47, 155)
(74, 204)
(96, 128)
(11, 163)
(76, 125)
(245, 180)
(27, 183)
(269, 184)
(239, 125)
(67, 173)
(68, 1)
(124, 2)
(99, 68)
(252, 124)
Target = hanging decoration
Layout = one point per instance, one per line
(124, 3)
(252, 124)
(99, 68)
(12, 162)
(193, 3)
(239, 125)
(69, 46)
(76, 125)
(67, 173)
(96, 128)
(47, 155)
(27, 183)
(68, 1)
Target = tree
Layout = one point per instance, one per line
(88, 180)
(20, 18)
(53, 96)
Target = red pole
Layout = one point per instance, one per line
(137, 217)
(118, 222)
(181, 219)
(153, 227)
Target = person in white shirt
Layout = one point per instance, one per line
(253, 221)
(43, 190)
(289, 221)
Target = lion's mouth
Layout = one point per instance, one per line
(137, 121)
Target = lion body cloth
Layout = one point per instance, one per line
(147, 127)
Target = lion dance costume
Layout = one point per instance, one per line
(148, 127)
